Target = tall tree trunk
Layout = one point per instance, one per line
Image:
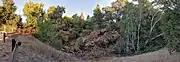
(139, 27)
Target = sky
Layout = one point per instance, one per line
(72, 6)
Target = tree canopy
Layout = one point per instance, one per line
(8, 19)
(32, 10)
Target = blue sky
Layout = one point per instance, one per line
(72, 6)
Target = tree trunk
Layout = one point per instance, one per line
(139, 27)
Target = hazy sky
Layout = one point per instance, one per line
(72, 6)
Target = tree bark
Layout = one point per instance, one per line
(139, 27)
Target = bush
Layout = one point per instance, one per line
(47, 34)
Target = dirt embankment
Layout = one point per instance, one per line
(157, 56)
(32, 50)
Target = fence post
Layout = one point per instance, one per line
(13, 44)
(14, 50)
(4, 36)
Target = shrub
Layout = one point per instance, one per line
(47, 34)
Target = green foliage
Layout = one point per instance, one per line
(58, 30)
(55, 14)
(47, 34)
(50, 29)
(32, 11)
(142, 33)
(171, 24)
(8, 18)
(141, 22)
(50, 10)
(143, 27)
(97, 17)
(139, 25)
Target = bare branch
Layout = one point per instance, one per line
(155, 23)
(157, 36)
(139, 27)
(153, 19)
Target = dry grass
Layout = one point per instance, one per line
(32, 50)
(33, 45)
(157, 56)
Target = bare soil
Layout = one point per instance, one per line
(32, 50)
(157, 56)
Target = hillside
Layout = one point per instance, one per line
(157, 56)
(32, 50)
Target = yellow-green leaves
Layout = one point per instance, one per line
(9, 20)
(32, 10)
(51, 10)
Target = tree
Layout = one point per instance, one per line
(47, 34)
(50, 10)
(2, 20)
(142, 33)
(97, 17)
(88, 17)
(32, 11)
(8, 18)
(112, 14)
(171, 24)
(55, 16)
(76, 17)
(53, 30)
(56, 13)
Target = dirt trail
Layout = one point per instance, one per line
(32, 50)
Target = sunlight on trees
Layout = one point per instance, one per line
(9, 20)
(32, 10)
